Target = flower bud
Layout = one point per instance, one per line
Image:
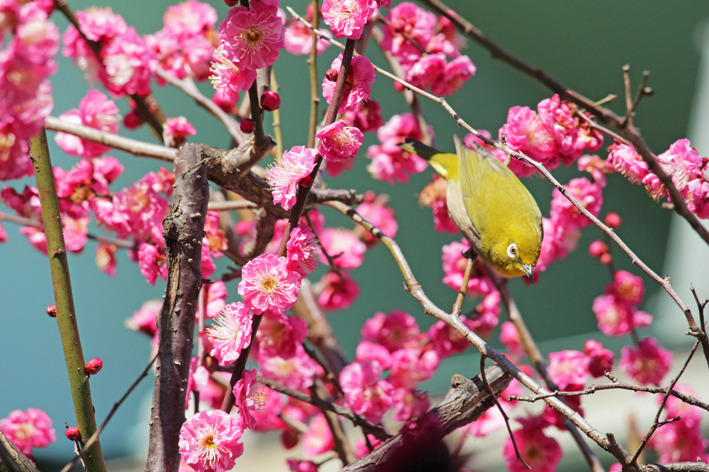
(612, 220)
(93, 366)
(132, 120)
(73, 433)
(331, 75)
(270, 101)
(597, 248)
(52, 311)
(231, 3)
(606, 258)
(248, 126)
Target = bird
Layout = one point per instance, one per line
(489, 205)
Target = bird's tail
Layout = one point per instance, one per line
(445, 164)
(419, 148)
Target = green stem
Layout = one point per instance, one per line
(314, 88)
(66, 316)
(277, 120)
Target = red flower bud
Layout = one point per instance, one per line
(132, 120)
(606, 258)
(231, 3)
(72, 433)
(612, 220)
(270, 101)
(93, 366)
(331, 75)
(248, 125)
(52, 311)
(597, 248)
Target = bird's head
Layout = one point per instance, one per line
(517, 254)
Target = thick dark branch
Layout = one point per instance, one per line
(183, 229)
(12, 459)
(465, 402)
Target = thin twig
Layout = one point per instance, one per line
(191, 90)
(656, 422)
(131, 146)
(370, 428)
(502, 412)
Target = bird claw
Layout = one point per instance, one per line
(469, 254)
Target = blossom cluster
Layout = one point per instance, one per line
(428, 49)
(681, 162)
(25, 65)
(556, 133)
(124, 65)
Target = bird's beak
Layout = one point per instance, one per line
(528, 271)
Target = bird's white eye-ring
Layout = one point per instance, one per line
(512, 251)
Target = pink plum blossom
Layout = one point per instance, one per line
(376, 211)
(209, 441)
(182, 45)
(346, 18)
(406, 23)
(524, 131)
(28, 429)
(231, 333)
(284, 177)
(616, 318)
(128, 65)
(366, 116)
(337, 291)
(280, 334)
(96, 111)
(627, 161)
(365, 393)
(586, 192)
(318, 438)
(454, 267)
(411, 366)
(229, 78)
(296, 371)
(339, 142)
(648, 363)
(394, 331)
(302, 250)
(567, 368)
(248, 397)
(389, 162)
(358, 83)
(410, 404)
(267, 284)
(298, 39)
(541, 452)
(252, 37)
(176, 131)
(145, 318)
(344, 247)
(509, 336)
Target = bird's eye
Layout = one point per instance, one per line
(512, 250)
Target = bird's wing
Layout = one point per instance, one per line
(468, 170)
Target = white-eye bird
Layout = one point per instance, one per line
(491, 207)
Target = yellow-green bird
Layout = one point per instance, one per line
(491, 207)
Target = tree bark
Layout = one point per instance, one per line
(183, 229)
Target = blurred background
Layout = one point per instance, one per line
(581, 44)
